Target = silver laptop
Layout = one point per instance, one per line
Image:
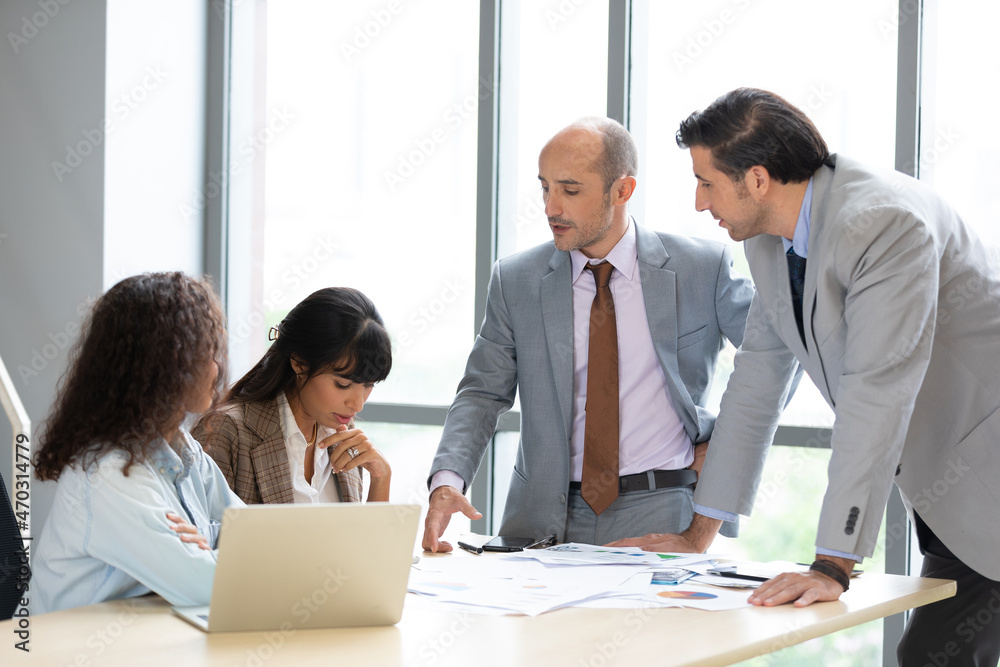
(309, 566)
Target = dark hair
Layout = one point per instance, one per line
(334, 330)
(620, 156)
(748, 127)
(132, 371)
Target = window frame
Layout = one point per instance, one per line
(235, 98)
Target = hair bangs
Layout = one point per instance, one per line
(369, 359)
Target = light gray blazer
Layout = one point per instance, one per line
(902, 324)
(692, 298)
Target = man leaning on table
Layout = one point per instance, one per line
(612, 381)
(892, 305)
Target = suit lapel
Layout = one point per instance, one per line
(822, 182)
(659, 295)
(557, 319)
(270, 458)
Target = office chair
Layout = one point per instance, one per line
(12, 585)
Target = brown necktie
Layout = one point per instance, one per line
(599, 485)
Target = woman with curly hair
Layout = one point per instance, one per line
(286, 433)
(130, 477)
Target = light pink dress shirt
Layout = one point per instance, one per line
(652, 436)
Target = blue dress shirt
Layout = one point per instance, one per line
(108, 537)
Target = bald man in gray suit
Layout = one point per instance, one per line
(675, 300)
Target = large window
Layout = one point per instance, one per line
(540, 94)
(369, 183)
(684, 56)
(386, 126)
(542, 91)
(687, 54)
(369, 128)
(959, 143)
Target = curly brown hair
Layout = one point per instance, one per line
(138, 359)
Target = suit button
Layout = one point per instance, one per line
(855, 511)
(562, 498)
(849, 530)
(898, 469)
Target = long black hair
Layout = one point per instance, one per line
(333, 330)
(138, 359)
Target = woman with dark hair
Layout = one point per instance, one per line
(286, 433)
(130, 477)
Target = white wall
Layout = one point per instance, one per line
(51, 196)
(155, 105)
(81, 207)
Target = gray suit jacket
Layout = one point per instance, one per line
(902, 325)
(692, 300)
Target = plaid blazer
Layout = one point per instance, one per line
(246, 442)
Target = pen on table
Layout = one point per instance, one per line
(471, 549)
(542, 542)
(737, 575)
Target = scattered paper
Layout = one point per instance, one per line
(539, 580)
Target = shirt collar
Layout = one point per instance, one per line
(177, 456)
(290, 428)
(800, 238)
(623, 256)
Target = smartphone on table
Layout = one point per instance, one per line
(508, 544)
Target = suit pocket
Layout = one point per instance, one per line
(981, 451)
(827, 334)
(690, 339)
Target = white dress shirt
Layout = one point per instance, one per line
(322, 489)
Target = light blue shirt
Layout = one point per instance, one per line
(108, 537)
(800, 241)
(800, 237)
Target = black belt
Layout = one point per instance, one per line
(652, 480)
